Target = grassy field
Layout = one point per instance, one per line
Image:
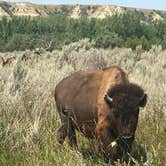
(28, 118)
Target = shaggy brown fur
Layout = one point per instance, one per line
(101, 104)
(125, 96)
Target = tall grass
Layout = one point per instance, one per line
(28, 118)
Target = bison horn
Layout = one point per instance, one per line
(113, 144)
(108, 99)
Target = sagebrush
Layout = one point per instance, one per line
(28, 120)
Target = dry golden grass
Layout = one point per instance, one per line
(28, 120)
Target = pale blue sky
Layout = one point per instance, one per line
(151, 4)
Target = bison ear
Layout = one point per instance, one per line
(143, 101)
(108, 99)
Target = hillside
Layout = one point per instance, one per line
(75, 11)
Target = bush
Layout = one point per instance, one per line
(29, 121)
(123, 30)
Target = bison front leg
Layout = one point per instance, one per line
(106, 142)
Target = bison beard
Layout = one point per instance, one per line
(102, 104)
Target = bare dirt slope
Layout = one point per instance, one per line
(75, 11)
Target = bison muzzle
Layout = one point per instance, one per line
(102, 104)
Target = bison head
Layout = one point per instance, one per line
(124, 102)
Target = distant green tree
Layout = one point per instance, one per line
(126, 25)
(133, 42)
(160, 27)
(128, 29)
(163, 43)
(108, 39)
(21, 42)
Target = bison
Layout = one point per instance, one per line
(26, 56)
(102, 104)
(9, 61)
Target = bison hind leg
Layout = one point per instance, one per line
(61, 133)
(72, 135)
(67, 130)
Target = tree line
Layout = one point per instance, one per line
(129, 29)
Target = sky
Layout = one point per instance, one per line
(149, 4)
